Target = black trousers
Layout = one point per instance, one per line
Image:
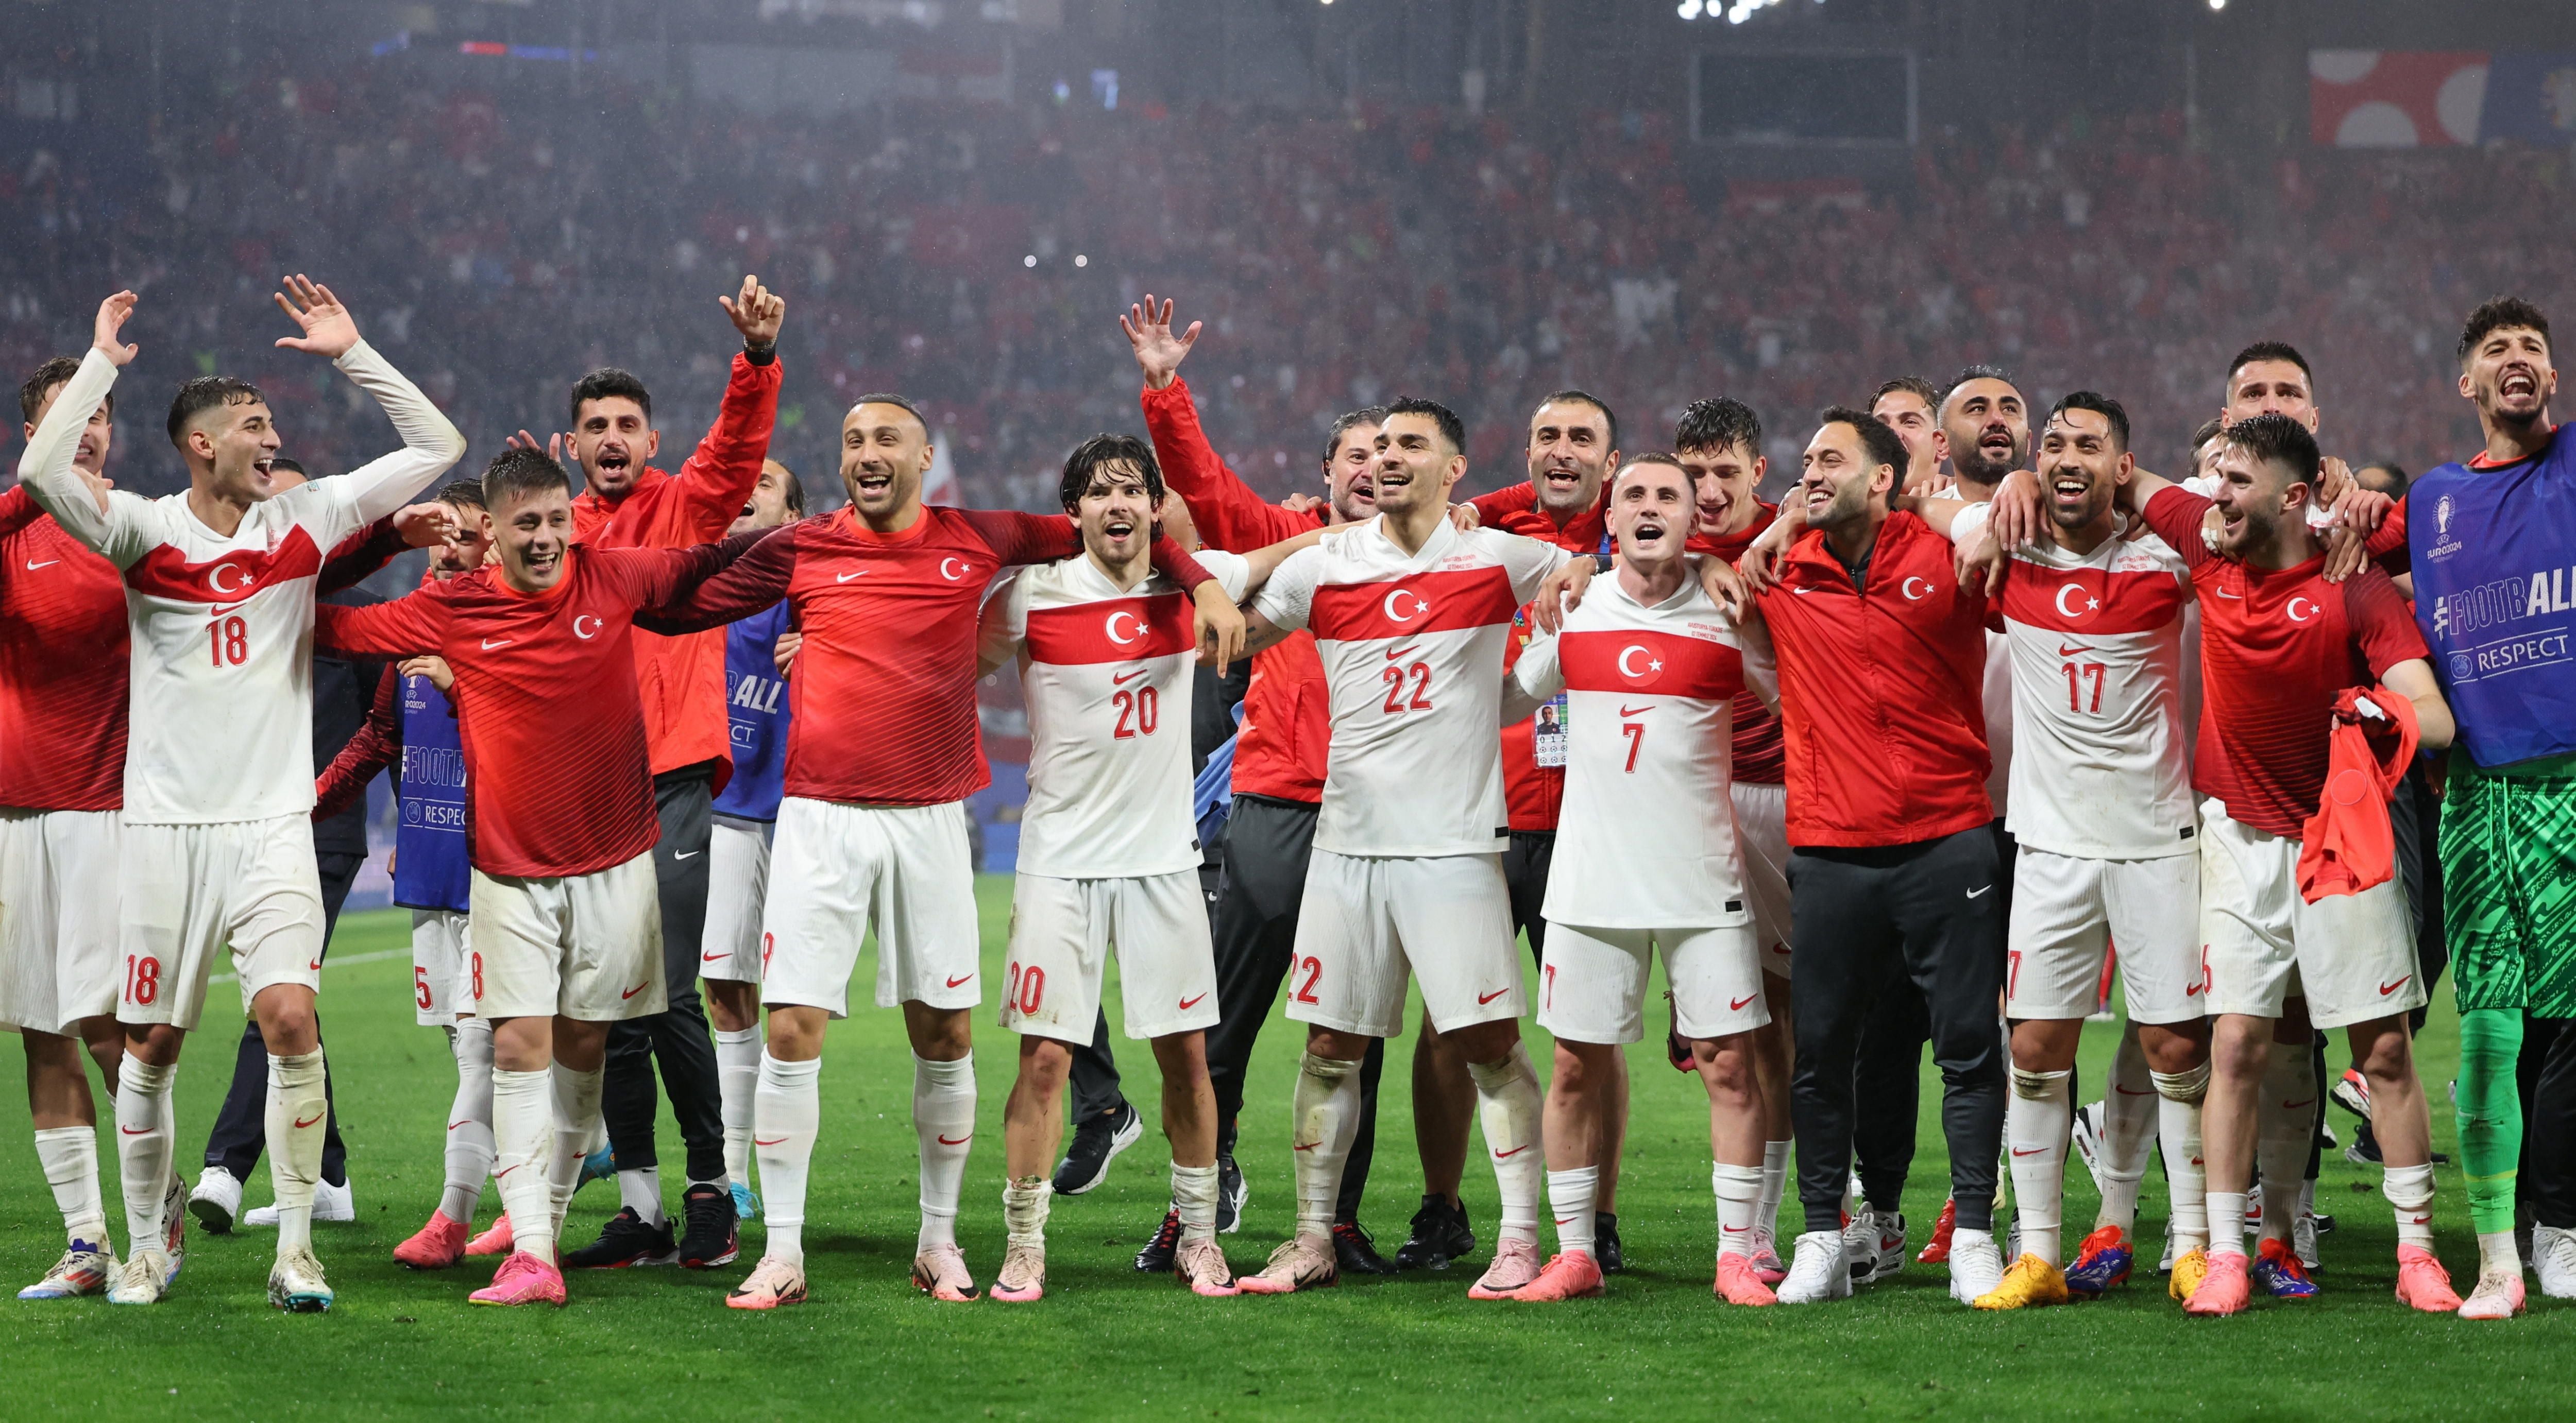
(1094, 1076)
(1525, 865)
(2547, 1078)
(241, 1127)
(677, 1038)
(1928, 919)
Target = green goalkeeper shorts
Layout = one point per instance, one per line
(2509, 889)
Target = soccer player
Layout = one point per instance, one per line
(2489, 555)
(626, 503)
(1651, 667)
(1895, 866)
(872, 825)
(218, 837)
(1108, 844)
(564, 933)
(1911, 406)
(746, 814)
(2278, 644)
(62, 720)
(1410, 615)
(2103, 817)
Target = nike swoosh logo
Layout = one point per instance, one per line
(2034, 1151)
(2125, 1092)
(960, 1141)
(773, 1141)
(1393, 653)
(48, 563)
(504, 1171)
(1636, 711)
(1188, 1003)
(956, 981)
(684, 854)
(469, 1121)
(1307, 1146)
(2225, 594)
(489, 644)
(1737, 1005)
(1735, 1229)
(629, 993)
(217, 610)
(1123, 678)
(1515, 1151)
(711, 958)
(2387, 988)
(315, 966)
(846, 577)
(1484, 998)
(1975, 892)
(134, 1131)
(2194, 990)
(1802, 592)
(2065, 651)
(2292, 1106)
(303, 1122)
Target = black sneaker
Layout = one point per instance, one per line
(1605, 1243)
(1231, 1193)
(1440, 1235)
(1096, 1143)
(1356, 1251)
(712, 1237)
(624, 1242)
(1156, 1257)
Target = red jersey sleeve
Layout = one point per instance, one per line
(359, 555)
(721, 472)
(18, 509)
(1229, 514)
(409, 626)
(651, 577)
(2175, 513)
(2388, 547)
(377, 744)
(746, 585)
(2383, 627)
(1510, 499)
(1017, 538)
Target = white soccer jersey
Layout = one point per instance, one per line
(1107, 675)
(1647, 830)
(222, 661)
(1413, 651)
(2101, 765)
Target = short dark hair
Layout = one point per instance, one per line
(2398, 478)
(1661, 457)
(463, 493)
(2208, 430)
(1876, 436)
(1971, 372)
(2278, 439)
(1584, 397)
(58, 371)
(1088, 457)
(1911, 385)
(291, 466)
(2499, 313)
(1365, 415)
(606, 382)
(203, 394)
(795, 488)
(2272, 351)
(2099, 404)
(1716, 422)
(889, 398)
(521, 471)
(1452, 428)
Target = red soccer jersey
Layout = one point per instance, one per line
(558, 776)
(2276, 647)
(1882, 691)
(62, 667)
(1758, 745)
(883, 700)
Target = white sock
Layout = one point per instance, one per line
(2285, 1130)
(1024, 1211)
(1569, 1196)
(1739, 1197)
(1194, 1196)
(640, 1190)
(2497, 1254)
(2037, 1118)
(523, 1134)
(2227, 1222)
(143, 1143)
(469, 1120)
(2178, 1096)
(786, 1111)
(297, 1118)
(1962, 1237)
(2410, 1190)
(2128, 1134)
(943, 1121)
(70, 1157)
(1509, 1106)
(576, 1109)
(1775, 1184)
(737, 1077)
(1325, 1119)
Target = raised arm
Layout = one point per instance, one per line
(107, 522)
(721, 472)
(377, 745)
(751, 582)
(654, 577)
(411, 625)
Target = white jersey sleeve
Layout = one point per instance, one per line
(1287, 596)
(1761, 660)
(343, 504)
(1527, 561)
(1533, 681)
(1003, 622)
(120, 532)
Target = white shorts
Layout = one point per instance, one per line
(1592, 988)
(1365, 920)
(1061, 933)
(579, 946)
(1762, 832)
(836, 871)
(442, 980)
(2352, 956)
(2067, 913)
(192, 891)
(58, 893)
(737, 883)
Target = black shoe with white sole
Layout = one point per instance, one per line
(1096, 1143)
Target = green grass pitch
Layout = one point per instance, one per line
(1108, 1343)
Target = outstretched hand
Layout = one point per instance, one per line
(1219, 626)
(756, 312)
(424, 525)
(1159, 353)
(554, 447)
(111, 319)
(329, 330)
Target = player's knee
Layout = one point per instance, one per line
(1726, 1065)
(1573, 1071)
(2172, 1052)
(939, 1034)
(1044, 1063)
(2389, 1058)
(1487, 1044)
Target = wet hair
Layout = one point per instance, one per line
(1088, 458)
(1581, 397)
(2271, 351)
(2101, 405)
(607, 382)
(888, 398)
(1660, 457)
(1974, 372)
(463, 493)
(2280, 440)
(1876, 436)
(58, 371)
(1911, 385)
(1717, 423)
(1365, 415)
(517, 473)
(794, 490)
(1452, 429)
(204, 393)
(2500, 313)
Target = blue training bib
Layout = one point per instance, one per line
(430, 870)
(2494, 557)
